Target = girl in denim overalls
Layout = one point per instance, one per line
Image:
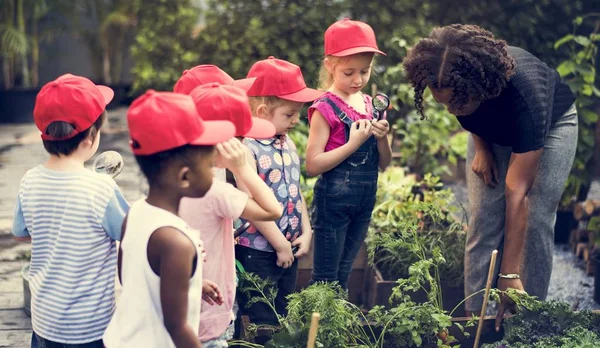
(348, 147)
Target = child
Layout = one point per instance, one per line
(72, 216)
(213, 214)
(346, 146)
(203, 74)
(277, 95)
(160, 261)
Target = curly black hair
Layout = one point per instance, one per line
(466, 58)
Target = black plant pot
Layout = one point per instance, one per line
(565, 223)
(16, 105)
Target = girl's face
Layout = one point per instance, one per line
(284, 116)
(350, 74)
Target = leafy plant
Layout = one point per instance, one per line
(163, 48)
(579, 72)
(548, 324)
(411, 222)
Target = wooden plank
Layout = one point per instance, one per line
(11, 284)
(14, 319)
(15, 338)
(11, 300)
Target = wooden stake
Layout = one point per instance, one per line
(312, 333)
(488, 287)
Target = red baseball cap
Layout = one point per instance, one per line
(282, 79)
(202, 74)
(72, 99)
(229, 103)
(161, 121)
(347, 37)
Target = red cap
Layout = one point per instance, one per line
(229, 103)
(282, 79)
(72, 99)
(202, 74)
(348, 37)
(161, 121)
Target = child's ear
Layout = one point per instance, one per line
(182, 177)
(262, 111)
(88, 142)
(328, 65)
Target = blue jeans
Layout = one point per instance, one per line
(40, 342)
(341, 213)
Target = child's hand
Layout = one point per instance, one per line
(285, 256)
(211, 293)
(360, 131)
(380, 129)
(303, 244)
(231, 154)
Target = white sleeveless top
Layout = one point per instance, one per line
(138, 319)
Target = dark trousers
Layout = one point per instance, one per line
(38, 341)
(264, 264)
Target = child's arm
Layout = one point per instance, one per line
(304, 240)
(114, 214)
(19, 229)
(381, 129)
(171, 255)
(262, 204)
(269, 229)
(317, 160)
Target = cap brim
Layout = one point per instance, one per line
(356, 50)
(261, 129)
(107, 93)
(245, 84)
(215, 132)
(303, 96)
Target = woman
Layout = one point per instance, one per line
(523, 124)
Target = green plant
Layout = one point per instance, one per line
(547, 324)
(164, 45)
(413, 219)
(579, 72)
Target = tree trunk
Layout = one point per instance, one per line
(21, 28)
(6, 73)
(106, 64)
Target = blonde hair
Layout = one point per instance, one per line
(326, 78)
(271, 102)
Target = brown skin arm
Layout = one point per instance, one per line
(120, 254)
(172, 256)
(519, 180)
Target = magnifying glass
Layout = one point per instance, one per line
(109, 163)
(238, 231)
(381, 102)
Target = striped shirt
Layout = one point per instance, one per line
(73, 219)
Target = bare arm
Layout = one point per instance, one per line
(120, 254)
(380, 132)
(480, 144)
(317, 160)
(303, 242)
(519, 180)
(172, 254)
(262, 204)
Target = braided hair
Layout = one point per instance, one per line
(466, 58)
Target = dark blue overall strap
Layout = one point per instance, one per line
(338, 112)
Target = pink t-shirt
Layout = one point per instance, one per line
(213, 216)
(337, 135)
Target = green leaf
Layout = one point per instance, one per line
(565, 68)
(582, 40)
(596, 91)
(563, 40)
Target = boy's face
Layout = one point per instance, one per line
(198, 173)
(285, 116)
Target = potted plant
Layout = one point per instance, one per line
(410, 222)
(579, 72)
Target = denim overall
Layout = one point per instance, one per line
(344, 198)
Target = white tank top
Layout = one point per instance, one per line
(138, 319)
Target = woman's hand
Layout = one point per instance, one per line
(484, 166)
(506, 303)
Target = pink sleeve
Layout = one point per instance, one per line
(325, 110)
(229, 202)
